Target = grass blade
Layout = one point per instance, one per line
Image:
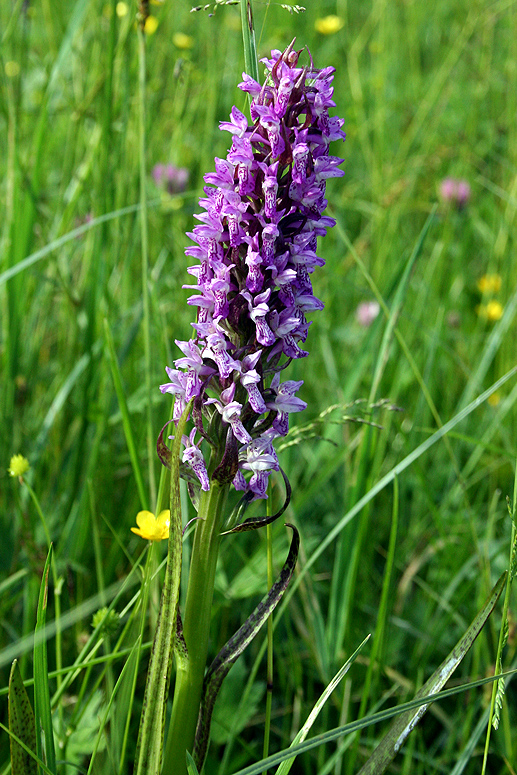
(42, 711)
(286, 765)
(355, 726)
(124, 411)
(386, 751)
(248, 39)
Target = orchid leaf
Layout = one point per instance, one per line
(387, 749)
(21, 724)
(149, 751)
(221, 665)
(254, 523)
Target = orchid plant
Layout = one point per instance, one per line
(255, 248)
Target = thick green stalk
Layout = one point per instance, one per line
(270, 580)
(196, 629)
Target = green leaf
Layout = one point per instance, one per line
(126, 422)
(191, 765)
(21, 724)
(248, 39)
(368, 721)
(387, 749)
(286, 765)
(42, 710)
(221, 665)
(229, 718)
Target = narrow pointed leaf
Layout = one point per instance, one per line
(124, 411)
(248, 38)
(221, 665)
(152, 723)
(42, 711)
(368, 721)
(253, 523)
(191, 765)
(286, 765)
(21, 724)
(387, 749)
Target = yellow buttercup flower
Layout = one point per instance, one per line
(494, 311)
(11, 68)
(183, 41)
(494, 399)
(18, 466)
(152, 528)
(329, 25)
(121, 9)
(489, 283)
(151, 25)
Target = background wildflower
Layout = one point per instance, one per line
(173, 179)
(12, 68)
(366, 312)
(492, 311)
(489, 283)
(456, 192)
(18, 466)
(151, 25)
(182, 41)
(494, 399)
(152, 528)
(329, 25)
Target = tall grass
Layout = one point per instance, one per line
(427, 92)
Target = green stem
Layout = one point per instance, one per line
(196, 624)
(145, 260)
(146, 584)
(269, 688)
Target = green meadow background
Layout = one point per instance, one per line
(428, 91)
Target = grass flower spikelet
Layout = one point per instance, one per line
(256, 250)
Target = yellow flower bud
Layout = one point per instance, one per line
(18, 466)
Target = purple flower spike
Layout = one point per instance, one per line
(256, 244)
